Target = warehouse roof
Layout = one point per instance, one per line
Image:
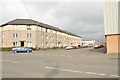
(33, 22)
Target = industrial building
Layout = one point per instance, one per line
(31, 33)
(112, 25)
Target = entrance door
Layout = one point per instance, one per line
(22, 43)
(58, 44)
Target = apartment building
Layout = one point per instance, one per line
(30, 33)
(112, 25)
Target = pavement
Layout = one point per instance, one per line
(60, 63)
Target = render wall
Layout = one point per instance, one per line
(22, 36)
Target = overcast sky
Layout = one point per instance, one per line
(82, 18)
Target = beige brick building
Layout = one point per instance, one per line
(30, 33)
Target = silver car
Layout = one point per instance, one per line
(68, 48)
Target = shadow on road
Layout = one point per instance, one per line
(53, 72)
(101, 50)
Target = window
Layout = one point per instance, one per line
(29, 44)
(14, 35)
(15, 27)
(28, 27)
(46, 37)
(29, 35)
(14, 43)
(46, 43)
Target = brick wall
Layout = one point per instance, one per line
(113, 43)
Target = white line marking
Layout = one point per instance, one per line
(114, 75)
(10, 61)
(49, 68)
(92, 73)
(78, 71)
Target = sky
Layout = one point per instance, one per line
(79, 17)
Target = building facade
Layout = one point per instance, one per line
(112, 25)
(88, 43)
(30, 33)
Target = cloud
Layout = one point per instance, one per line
(12, 9)
(82, 18)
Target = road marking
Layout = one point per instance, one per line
(114, 75)
(92, 73)
(11, 61)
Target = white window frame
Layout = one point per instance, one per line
(15, 43)
(28, 27)
(15, 35)
(29, 35)
(46, 36)
(47, 44)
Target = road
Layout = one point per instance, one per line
(60, 63)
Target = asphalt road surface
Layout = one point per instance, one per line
(60, 63)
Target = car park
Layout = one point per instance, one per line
(21, 49)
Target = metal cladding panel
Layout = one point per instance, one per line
(111, 17)
(0, 37)
(119, 17)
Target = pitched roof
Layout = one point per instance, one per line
(33, 22)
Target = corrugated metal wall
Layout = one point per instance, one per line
(111, 17)
(119, 17)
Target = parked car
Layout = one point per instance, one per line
(74, 47)
(90, 45)
(85, 46)
(80, 46)
(69, 48)
(21, 49)
(96, 46)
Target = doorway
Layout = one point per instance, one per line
(22, 43)
(58, 44)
